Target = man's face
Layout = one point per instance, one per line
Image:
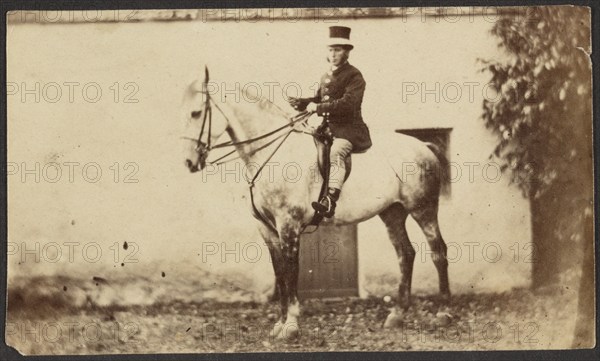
(337, 54)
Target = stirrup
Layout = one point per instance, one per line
(325, 207)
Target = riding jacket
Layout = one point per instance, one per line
(339, 99)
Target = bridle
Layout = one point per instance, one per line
(203, 148)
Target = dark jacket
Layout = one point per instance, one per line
(339, 98)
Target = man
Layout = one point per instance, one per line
(339, 100)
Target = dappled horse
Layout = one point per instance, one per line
(383, 182)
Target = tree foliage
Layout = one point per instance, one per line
(543, 112)
(543, 119)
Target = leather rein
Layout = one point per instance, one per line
(202, 148)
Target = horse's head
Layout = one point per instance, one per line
(200, 129)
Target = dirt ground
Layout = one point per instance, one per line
(520, 319)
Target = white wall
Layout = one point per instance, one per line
(167, 213)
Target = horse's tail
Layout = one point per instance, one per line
(443, 161)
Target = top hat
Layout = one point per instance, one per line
(339, 35)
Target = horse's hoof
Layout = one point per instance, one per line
(276, 329)
(289, 332)
(394, 319)
(442, 319)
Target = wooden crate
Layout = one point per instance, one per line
(329, 263)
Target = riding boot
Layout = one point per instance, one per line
(326, 206)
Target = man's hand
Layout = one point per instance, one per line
(311, 107)
(298, 104)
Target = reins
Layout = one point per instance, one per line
(207, 115)
(204, 148)
(284, 136)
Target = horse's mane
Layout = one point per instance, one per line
(252, 102)
(265, 104)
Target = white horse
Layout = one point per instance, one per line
(383, 182)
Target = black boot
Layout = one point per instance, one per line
(326, 206)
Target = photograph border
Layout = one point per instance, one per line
(8, 353)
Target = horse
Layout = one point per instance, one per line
(383, 183)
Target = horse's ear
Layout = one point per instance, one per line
(205, 74)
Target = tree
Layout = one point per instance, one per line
(543, 119)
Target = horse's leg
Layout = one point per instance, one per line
(275, 295)
(394, 218)
(427, 219)
(268, 236)
(274, 245)
(290, 241)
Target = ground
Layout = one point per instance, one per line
(520, 319)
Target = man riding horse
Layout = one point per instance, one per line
(338, 100)
(282, 207)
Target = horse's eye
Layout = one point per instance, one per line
(196, 114)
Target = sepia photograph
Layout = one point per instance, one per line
(299, 180)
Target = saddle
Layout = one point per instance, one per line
(323, 139)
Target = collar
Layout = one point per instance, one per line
(337, 68)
